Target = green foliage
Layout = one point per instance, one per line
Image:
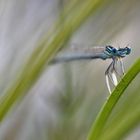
(105, 112)
(77, 104)
(45, 51)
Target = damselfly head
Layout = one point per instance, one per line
(122, 52)
(128, 50)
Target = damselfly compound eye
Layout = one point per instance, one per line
(114, 50)
(128, 50)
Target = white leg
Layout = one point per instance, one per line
(115, 81)
(122, 65)
(107, 83)
(109, 77)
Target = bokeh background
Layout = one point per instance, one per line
(64, 101)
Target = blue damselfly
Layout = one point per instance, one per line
(89, 53)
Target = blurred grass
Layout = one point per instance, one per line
(45, 51)
(78, 105)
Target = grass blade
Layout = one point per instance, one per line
(107, 108)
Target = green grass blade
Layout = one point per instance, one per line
(98, 125)
(124, 122)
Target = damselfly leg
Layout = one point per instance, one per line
(108, 77)
(111, 74)
(122, 65)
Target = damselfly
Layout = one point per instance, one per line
(106, 52)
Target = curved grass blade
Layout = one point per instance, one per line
(98, 125)
(125, 121)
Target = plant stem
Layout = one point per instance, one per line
(98, 125)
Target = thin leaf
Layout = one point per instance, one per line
(98, 125)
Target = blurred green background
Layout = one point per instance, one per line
(63, 100)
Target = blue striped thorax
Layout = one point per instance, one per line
(120, 53)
